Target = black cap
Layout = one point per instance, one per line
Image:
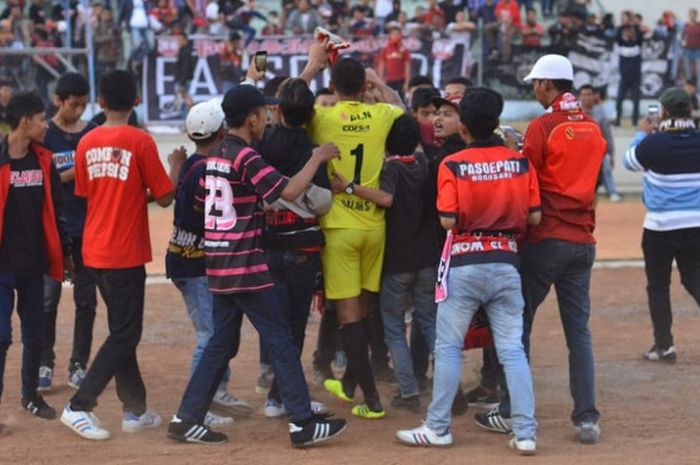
(243, 100)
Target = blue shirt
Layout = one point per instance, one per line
(63, 145)
(670, 160)
(185, 256)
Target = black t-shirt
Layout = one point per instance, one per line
(22, 247)
(412, 239)
(37, 14)
(63, 145)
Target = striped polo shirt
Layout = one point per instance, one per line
(236, 180)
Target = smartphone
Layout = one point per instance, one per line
(653, 114)
(260, 61)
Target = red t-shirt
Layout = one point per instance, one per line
(115, 167)
(532, 35)
(490, 190)
(395, 58)
(692, 35)
(566, 148)
(510, 11)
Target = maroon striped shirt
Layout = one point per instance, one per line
(236, 180)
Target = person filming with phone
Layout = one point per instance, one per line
(666, 150)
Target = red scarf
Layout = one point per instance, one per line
(565, 102)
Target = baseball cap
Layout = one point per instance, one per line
(204, 119)
(551, 67)
(674, 97)
(454, 101)
(243, 99)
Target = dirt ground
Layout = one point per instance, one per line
(649, 412)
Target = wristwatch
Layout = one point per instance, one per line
(350, 188)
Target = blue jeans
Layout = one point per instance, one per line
(396, 294)
(295, 274)
(496, 287)
(198, 300)
(691, 58)
(567, 266)
(268, 320)
(30, 308)
(606, 175)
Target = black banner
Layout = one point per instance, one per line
(595, 61)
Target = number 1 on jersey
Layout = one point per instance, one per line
(358, 153)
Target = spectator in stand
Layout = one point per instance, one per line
(591, 26)
(586, 95)
(434, 17)
(198, 12)
(691, 46)
(394, 64)
(6, 91)
(164, 14)
(184, 72)
(37, 12)
(273, 26)
(562, 34)
(242, 18)
(629, 40)
(304, 19)
(108, 44)
(395, 12)
(487, 14)
(608, 26)
(460, 31)
(232, 57)
(508, 14)
(214, 18)
(133, 15)
(361, 26)
(532, 31)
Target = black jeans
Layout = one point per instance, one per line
(85, 299)
(30, 293)
(294, 274)
(123, 293)
(567, 267)
(633, 86)
(660, 248)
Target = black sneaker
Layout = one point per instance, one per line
(39, 408)
(185, 431)
(316, 429)
(411, 403)
(480, 397)
(656, 355)
(494, 421)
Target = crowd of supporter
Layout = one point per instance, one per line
(125, 31)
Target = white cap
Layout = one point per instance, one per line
(205, 119)
(551, 67)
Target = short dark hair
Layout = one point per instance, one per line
(404, 136)
(586, 87)
(563, 85)
(348, 76)
(679, 111)
(422, 97)
(529, 9)
(296, 102)
(211, 139)
(323, 91)
(72, 84)
(23, 105)
(6, 83)
(692, 81)
(420, 80)
(273, 85)
(480, 110)
(118, 89)
(461, 80)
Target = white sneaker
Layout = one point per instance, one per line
(524, 446)
(274, 409)
(230, 404)
(132, 423)
(214, 420)
(615, 197)
(425, 436)
(84, 424)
